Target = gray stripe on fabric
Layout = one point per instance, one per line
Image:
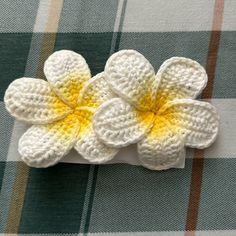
(169, 233)
(217, 209)
(18, 16)
(229, 22)
(88, 16)
(146, 233)
(225, 82)
(130, 198)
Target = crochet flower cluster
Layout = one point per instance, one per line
(127, 103)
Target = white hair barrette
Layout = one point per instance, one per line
(127, 103)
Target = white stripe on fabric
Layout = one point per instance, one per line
(42, 16)
(168, 15)
(116, 25)
(229, 21)
(36, 41)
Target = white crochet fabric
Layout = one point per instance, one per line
(126, 104)
(157, 111)
(60, 110)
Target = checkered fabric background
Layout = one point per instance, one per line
(120, 199)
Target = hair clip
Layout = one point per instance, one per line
(125, 104)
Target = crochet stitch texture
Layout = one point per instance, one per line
(61, 111)
(127, 103)
(157, 111)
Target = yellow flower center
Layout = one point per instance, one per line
(78, 115)
(161, 120)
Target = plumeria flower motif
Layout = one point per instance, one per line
(61, 111)
(157, 111)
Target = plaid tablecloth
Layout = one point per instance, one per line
(120, 199)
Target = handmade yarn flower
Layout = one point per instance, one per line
(157, 111)
(60, 110)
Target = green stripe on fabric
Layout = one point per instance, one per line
(91, 198)
(156, 46)
(54, 199)
(217, 209)
(2, 168)
(94, 47)
(14, 52)
(6, 124)
(159, 46)
(225, 76)
(132, 199)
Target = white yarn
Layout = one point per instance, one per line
(62, 121)
(197, 120)
(95, 92)
(131, 76)
(93, 150)
(178, 120)
(179, 77)
(118, 124)
(33, 101)
(66, 72)
(74, 110)
(45, 145)
(87, 144)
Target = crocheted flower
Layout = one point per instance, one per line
(156, 110)
(60, 110)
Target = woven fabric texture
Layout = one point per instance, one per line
(119, 199)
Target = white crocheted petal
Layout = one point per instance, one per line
(197, 121)
(33, 101)
(93, 150)
(95, 92)
(118, 124)
(179, 77)
(162, 148)
(87, 144)
(131, 76)
(45, 145)
(67, 72)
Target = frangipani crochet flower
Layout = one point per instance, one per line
(157, 111)
(60, 110)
